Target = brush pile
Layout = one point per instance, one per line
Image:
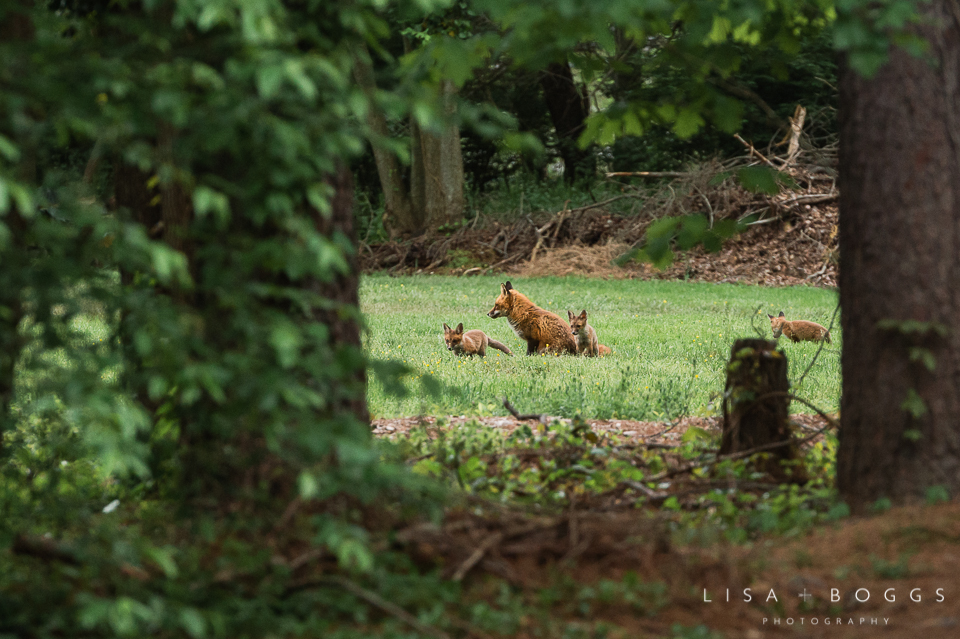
(791, 240)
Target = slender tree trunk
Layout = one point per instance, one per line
(569, 109)
(900, 271)
(436, 174)
(399, 211)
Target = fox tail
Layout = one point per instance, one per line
(500, 346)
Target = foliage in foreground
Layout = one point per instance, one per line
(551, 467)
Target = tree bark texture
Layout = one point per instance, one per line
(900, 270)
(396, 199)
(436, 172)
(569, 109)
(755, 405)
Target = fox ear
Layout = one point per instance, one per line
(508, 286)
(570, 315)
(583, 314)
(446, 329)
(769, 315)
(781, 314)
(460, 327)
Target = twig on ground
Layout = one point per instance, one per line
(753, 451)
(540, 417)
(375, 600)
(649, 174)
(43, 548)
(477, 555)
(754, 151)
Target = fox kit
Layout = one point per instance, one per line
(798, 330)
(543, 331)
(587, 343)
(470, 343)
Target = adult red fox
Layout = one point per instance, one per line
(587, 343)
(798, 330)
(543, 331)
(470, 343)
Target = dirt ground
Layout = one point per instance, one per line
(894, 575)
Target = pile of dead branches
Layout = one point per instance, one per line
(585, 239)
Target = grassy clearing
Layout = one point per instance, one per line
(670, 341)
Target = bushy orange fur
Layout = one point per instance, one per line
(798, 330)
(471, 343)
(587, 343)
(543, 331)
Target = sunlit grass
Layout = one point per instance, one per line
(670, 343)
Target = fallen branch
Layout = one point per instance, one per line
(812, 197)
(513, 411)
(753, 451)
(375, 600)
(754, 151)
(42, 548)
(477, 555)
(649, 174)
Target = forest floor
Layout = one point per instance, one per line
(894, 574)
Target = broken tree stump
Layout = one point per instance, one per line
(755, 408)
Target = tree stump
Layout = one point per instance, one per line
(755, 407)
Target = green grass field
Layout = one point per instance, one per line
(670, 342)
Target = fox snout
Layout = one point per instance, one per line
(495, 313)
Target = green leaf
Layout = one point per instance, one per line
(937, 495)
(692, 230)
(193, 622)
(914, 404)
(206, 200)
(269, 80)
(759, 179)
(286, 339)
(163, 557)
(9, 150)
(687, 123)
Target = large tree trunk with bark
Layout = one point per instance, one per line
(569, 109)
(436, 174)
(900, 271)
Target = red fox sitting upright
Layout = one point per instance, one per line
(543, 331)
(470, 343)
(587, 343)
(798, 330)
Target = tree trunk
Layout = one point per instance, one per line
(16, 25)
(755, 406)
(569, 109)
(900, 271)
(436, 173)
(343, 292)
(399, 211)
